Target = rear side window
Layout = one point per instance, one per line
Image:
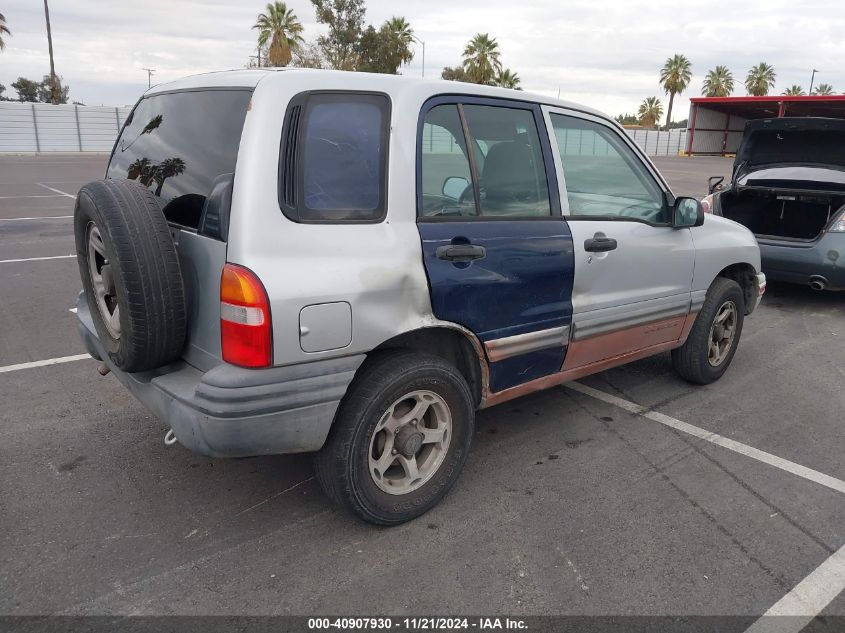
(334, 158)
(179, 145)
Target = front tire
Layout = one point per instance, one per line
(712, 342)
(400, 438)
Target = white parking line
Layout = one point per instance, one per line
(714, 438)
(59, 191)
(806, 600)
(809, 597)
(43, 363)
(43, 217)
(34, 259)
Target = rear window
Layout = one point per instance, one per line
(334, 158)
(179, 144)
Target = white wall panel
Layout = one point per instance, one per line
(42, 127)
(69, 128)
(17, 132)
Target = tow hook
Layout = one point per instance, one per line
(169, 438)
(103, 369)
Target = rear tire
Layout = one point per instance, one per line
(130, 273)
(712, 342)
(404, 411)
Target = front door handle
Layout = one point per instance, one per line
(599, 243)
(461, 252)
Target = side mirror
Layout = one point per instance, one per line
(714, 183)
(454, 187)
(687, 213)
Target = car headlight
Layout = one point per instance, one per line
(839, 224)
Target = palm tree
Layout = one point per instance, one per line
(760, 79)
(507, 79)
(719, 82)
(149, 128)
(794, 91)
(169, 167)
(482, 59)
(281, 30)
(403, 34)
(400, 27)
(823, 90)
(3, 29)
(141, 169)
(650, 112)
(675, 77)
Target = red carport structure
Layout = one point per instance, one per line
(716, 123)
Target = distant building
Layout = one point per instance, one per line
(716, 123)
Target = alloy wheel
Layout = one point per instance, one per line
(722, 333)
(410, 442)
(102, 279)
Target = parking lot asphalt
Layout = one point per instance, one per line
(573, 501)
(688, 175)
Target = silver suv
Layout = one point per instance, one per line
(353, 264)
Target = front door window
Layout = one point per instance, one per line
(604, 178)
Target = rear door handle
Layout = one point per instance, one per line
(461, 252)
(599, 244)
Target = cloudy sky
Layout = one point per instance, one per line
(604, 53)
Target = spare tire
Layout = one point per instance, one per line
(130, 272)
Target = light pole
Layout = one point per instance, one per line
(54, 88)
(812, 77)
(423, 55)
(150, 72)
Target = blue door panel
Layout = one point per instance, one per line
(523, 284)
(520, 369)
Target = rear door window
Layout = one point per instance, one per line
(336, 169)
(509, 162)
(503, 176)
(178, 144)
(446, 176)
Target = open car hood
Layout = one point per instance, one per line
(807, 141)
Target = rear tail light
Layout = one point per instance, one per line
(707, 203)
(246, 331)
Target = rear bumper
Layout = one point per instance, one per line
(235, 412)
(800, 264)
